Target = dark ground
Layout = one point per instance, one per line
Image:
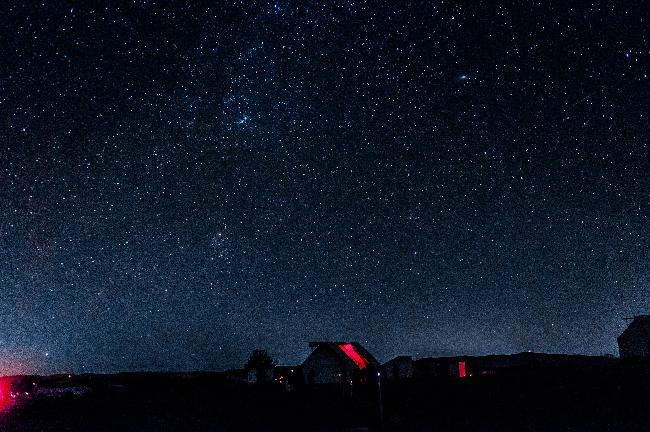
(605, 399)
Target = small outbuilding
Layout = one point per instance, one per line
(635, 339)
(338, 363)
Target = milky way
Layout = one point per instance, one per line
(181, 184)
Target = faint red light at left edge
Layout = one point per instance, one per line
(6, 399)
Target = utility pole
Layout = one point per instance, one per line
(381, 405)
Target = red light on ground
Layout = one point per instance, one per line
(354, 355)
(462, 371)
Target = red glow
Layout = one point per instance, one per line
(5, 394)
(354, 355)
(462, 372)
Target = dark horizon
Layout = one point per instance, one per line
(297, 363)
(182, 184)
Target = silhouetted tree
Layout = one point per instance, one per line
(260, 361)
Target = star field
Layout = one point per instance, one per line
(183, 183)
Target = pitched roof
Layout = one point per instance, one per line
(353, 351)
(639, 327)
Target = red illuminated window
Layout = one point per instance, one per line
(462, 371)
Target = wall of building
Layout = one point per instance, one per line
(635, 340)
(634, 346)
(323, 367)
(398, 368)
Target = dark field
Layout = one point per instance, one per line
(611, 399)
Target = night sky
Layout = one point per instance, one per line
(181, 184)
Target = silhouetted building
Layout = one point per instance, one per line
(399, 368)
(288, 376)
(635, 339)
(338, 362)
(259, 376)
(438, 367)
(510, 364)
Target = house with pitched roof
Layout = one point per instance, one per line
(338, 363)
(635, 339)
